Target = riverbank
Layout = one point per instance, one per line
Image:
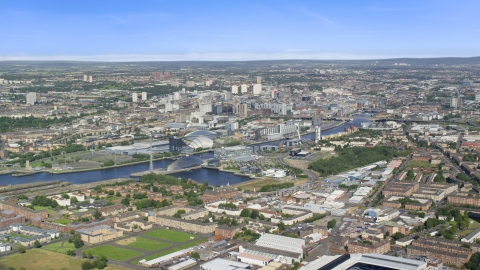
(120, 165)
(324, 128)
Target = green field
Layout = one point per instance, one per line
(420, 164)
(38, 258)
(148, 244)
(471, 228)
(114, 253)
(49, 210)
(170, 235)
(63, 221)
(168, 251)
(61, 247)
(19, 235)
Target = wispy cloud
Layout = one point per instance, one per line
(319, 17)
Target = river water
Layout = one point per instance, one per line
(214, 177)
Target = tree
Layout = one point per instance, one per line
(118, 194)
(410, 175)
(281, 226)
(21, 249)
(245, 213)
(87, 265)
(89, 255)
(254, 214)
(84, 255)
(73, 199)
(331, 223)
(77, 240)
(397, 235)
(37, 244)
(125, 201)
(195, 255)
(101, 265)
(97, 215)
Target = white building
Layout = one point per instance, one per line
(31, 98)
(471, 237)
(176, 96)
(5, 247)
(234, 89)
(244, 88)
(279, 248)
(257, 89)
(144, 96)
(90, 79)
(222, 264)
(60, 200)
(190, 84)
(134, 97)
(80, 197)
(254, 259)
(281, 242)
(275, 173)
(378, 261)
(205, 108)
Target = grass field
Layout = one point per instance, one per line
(63, 221)
(168, 251)
(148, 244)
(170, 235)
(40, 259)
(19, 235)
(471, 228)
(49, 210)
(420, 164)
(257, 184)
(61, 247)
(114, 253)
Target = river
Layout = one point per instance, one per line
(214, 177)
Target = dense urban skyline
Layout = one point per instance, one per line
(244, 30)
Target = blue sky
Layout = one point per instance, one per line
(237, 30)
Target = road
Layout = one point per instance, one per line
(311, 176)
(400, 169)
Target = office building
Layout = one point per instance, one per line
(31, 98)
(90, 79)
(166, 75)
(85, 78)
(228, 95)
(241, 109)
(259, 79)
(244, 88)
(257, 89)
(456, 102)
(144, 96)
(233, 152)
(234, 89)
(134, 97)
(190, 84)
(157, 75)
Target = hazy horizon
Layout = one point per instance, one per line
(188, 30)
